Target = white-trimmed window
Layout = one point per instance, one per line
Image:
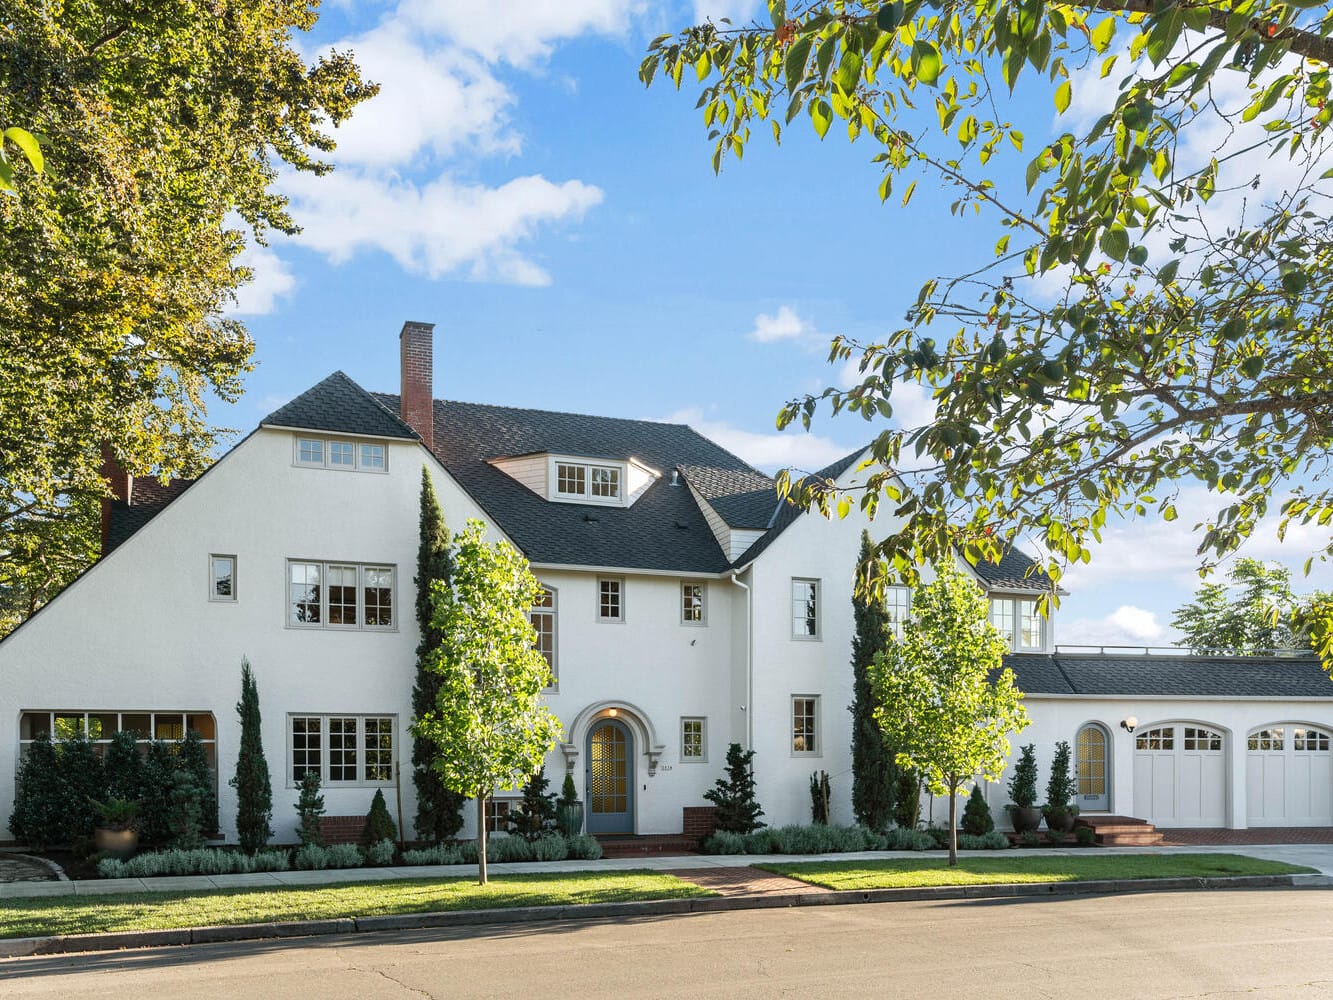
(693, 598)
(805, 724)
(543, 621)
(338, 453)
(340, 595)
(222, 578)
(341, 749)
(610, 599)
(497, 814)
(101, 726)
(1306, 739)
(1268, 739)
(804, 608)
(589, 481)
(897, 606)
(694, 740)
(1020, 622)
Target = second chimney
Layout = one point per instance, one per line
(416, 404)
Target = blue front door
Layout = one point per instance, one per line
(610, 778)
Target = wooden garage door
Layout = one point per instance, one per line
(1289, 777)
(1180, 775)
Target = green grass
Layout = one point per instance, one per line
(911, 873)
(164, 910)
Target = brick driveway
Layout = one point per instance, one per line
(744, 881)
(1260, 835)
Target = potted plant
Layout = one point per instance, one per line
(116, 832)
(1023, 811)
(1058, 811)
(568, 809)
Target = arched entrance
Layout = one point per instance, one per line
(609, 777)
(1091, 752)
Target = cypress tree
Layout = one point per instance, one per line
(124, 767)
(254, 791)
(83, 781)
(874, 775)
(40, 810)
(439, 810)
(737, 809)
(193, 758)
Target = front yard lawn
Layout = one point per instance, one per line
(911, 873)
(163, 910)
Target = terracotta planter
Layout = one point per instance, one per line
(1059, 820)
(118, 843)
(1024, 818)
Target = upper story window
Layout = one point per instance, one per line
(897, 605)
(610, 600)
(222, 582)
(1019, 621)
(582, 481)
(692, 597)
(349, 456)
(340, 595)
(542, 617)
(804, 609)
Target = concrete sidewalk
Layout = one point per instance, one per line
(1317, 856)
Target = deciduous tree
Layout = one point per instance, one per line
(490, 726)
(947, 702)
(1254, 613)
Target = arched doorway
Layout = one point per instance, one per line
(1092, 753)
(609, 777)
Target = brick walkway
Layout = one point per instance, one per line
(1266, 835)
(741, 881)
(17, 868)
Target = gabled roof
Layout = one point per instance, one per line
(744, 498)
(664, 530)
(148, 498)
(1170, 676)
(340, 406)
(787, 513)
(1012, 573)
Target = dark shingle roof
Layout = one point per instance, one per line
(1171, 676)
(788, 513)
(148, 499)
(664, 529)
(744, 498)
(340, 405)
(1011, 573)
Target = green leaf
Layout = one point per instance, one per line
(1103, 33)
(822, 116)
(1294, 282)
(1115, 243)
(702, 65)
(848, 76)
(926, 62)
(1251, 367)
(1168, 272)
(797, 58)
(1088, 489)
(908, 196)
(1138, 255)
(890, 16)
(1062, 96)
(25, 141)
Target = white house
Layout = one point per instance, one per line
(686, 608)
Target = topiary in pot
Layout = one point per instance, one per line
(977, 820)
(1059, 790)
(114, 828)
(1023, 813)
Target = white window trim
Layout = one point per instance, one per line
(897, 626)
(703, 602)
(324, 753)
(553, 477)
(818, 751)
(703, 739)
(326, 441)
(323, 623)
(554, 611)
(212, 582)
(1015, 638)
(620, 582)
(819, 609)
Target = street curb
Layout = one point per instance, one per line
(75, 943)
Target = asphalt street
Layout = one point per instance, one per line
(1256, 944)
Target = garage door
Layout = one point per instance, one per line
(1289, 777)
(1180, 775)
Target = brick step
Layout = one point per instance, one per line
(1131, 839)
(634, 847)
(1121, 831)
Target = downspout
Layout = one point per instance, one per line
(748, 707)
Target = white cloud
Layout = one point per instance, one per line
(793, 449)
(519, 32)
(783, 325)
(271, 278)
(437, 227)
(1127, 625)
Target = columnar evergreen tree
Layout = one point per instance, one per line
(490, 726)
(192, 757)
(254, 791)
(439, 810)
(39, 805)
(84, 780)
(737, 809)
(310, 807)
(874, 774)
(123, 767)
(536, 812)
(155, 792)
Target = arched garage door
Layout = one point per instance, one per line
(1289, 777)
(1180, 775)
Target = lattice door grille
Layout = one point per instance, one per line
(609, 771)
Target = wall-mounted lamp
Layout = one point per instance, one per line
(614, 712)
(1129, 724)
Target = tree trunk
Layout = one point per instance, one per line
(953, 820)
(481, 838)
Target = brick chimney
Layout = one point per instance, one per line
(121, 484)
(417, 406)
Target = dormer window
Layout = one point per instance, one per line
(566, 478)
(579, 481)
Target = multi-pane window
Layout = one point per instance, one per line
(1309, 739)
(342, 749)
(805, 609)
(340, 595)
(588, 482)
(692, 745)
(610, 600)
(804, 724)
(1202, 739)
(497, 815)
(222, 570)
(571, 480)
(605, 482)
(1268, 739)
(542, 617)
(326, 453)
(1163, 738)
(692, 603)
(897, 605)
(1019, 621)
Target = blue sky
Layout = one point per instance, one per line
(515, 185)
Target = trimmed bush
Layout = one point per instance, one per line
(440, 854)
(155, 793)
(550, 847)
(821, 795)
(380, 853)
(763, 841)
(723, 842)
(345, 856)
(992, 841)
(190, 756)
(123, 767)
(204, 861)
(311, 857)
(536, 810)
(902, 839)
(584, 848)
(503, 849)
(39, 807)
(379, 824)
(1086, 836)
(82, 780)
(939, 835)
(977, 820)
(185, 816)
(1023, 783)
(816, 838)
(1030, 838)
(737, 810)
(309, 809)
